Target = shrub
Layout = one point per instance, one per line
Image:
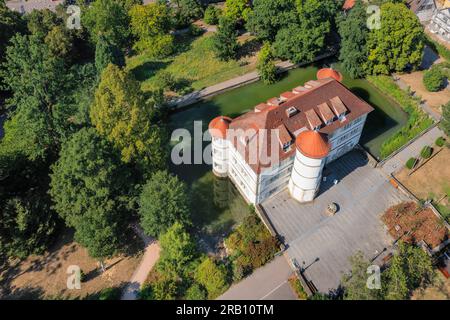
(433, 79)
(440, 141)
(212, 14)
(195, 30)
(196, 292)
(298, 288)
(426, 152)
(410, 163)
(212, 277)
(110, 294)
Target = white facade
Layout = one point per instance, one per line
(305, 178)
(440, 24)
(255, 188)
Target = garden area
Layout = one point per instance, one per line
(412, 224)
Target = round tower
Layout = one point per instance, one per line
(218, 128)
(329, 73)
(312, 149)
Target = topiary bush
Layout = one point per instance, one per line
(410, 163)
(212, 14)
(433, 79)
(426, 152)
(440, 141)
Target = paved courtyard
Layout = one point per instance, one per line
(322, 244)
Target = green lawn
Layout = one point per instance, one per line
(194, 64)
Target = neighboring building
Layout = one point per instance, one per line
(440, 22)
(348, 4)
(287, 141)
(23, 6)
(424, 9)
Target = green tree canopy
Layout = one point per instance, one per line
(150, 24)
(27, 226)
(106, 53)
(87, 184)
(212, 277)
(163, 201)
(265, 65)
(107, 18)
(40, 22)
(225, 39)
(10, 24)
(398, 43)
(121, 114)
(353, 32)
(186, 11)
(445, 122)
(177, 250)
(237, 10)
(265, 23)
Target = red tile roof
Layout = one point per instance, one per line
(324, 91)
(348, 4)
(218, 127)
(313, 144)
(329, 73)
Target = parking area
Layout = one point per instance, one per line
(267, 283)
(322, 244)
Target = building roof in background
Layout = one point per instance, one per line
(348, 4)
(313, 144)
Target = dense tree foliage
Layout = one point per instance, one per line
(225, 40)
(433, 79)
(445, 122)
(264, 23)
(177, 250)
(238, 10)
(354, 32)
(163, 201)
(122, 115)
(10, 23)
(212, 276)
(106, 53)
(304, 37)
(212, 15)
(266, 65)
(150, 24)
(187, 10)
(398, 43)
(87, 185)
(108, 18)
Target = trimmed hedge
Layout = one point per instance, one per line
(417, 122)
(433, 79)
(440, 141)
(410, 163)
(426, 152)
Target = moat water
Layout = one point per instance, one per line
(217, 205)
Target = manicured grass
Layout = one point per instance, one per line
(418, 120)
(195, 64)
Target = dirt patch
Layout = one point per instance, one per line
(45, 276)
(432, 180)
(433, 99)
(440, 290)
(413, 224)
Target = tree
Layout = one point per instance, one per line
(212, 277)
(150, 24)
(353, 32)
(212, 15)
(445, 122)
(59, 41)
(177, 251)
(270, 16)
(225, 40)
(87, 189)
(433, 79)
(107, 18)
(398, 43)
(163, 201)
(106, 53)
(40, 22)
(10, 23)
(195, 292)
(186, 11)
(355, 283)
(237, 10)
(121, 114)
(266, 66)
(395, 281)
(27, 226)
(304, 37)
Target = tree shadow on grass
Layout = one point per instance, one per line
(148, 69)
(248, 48)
